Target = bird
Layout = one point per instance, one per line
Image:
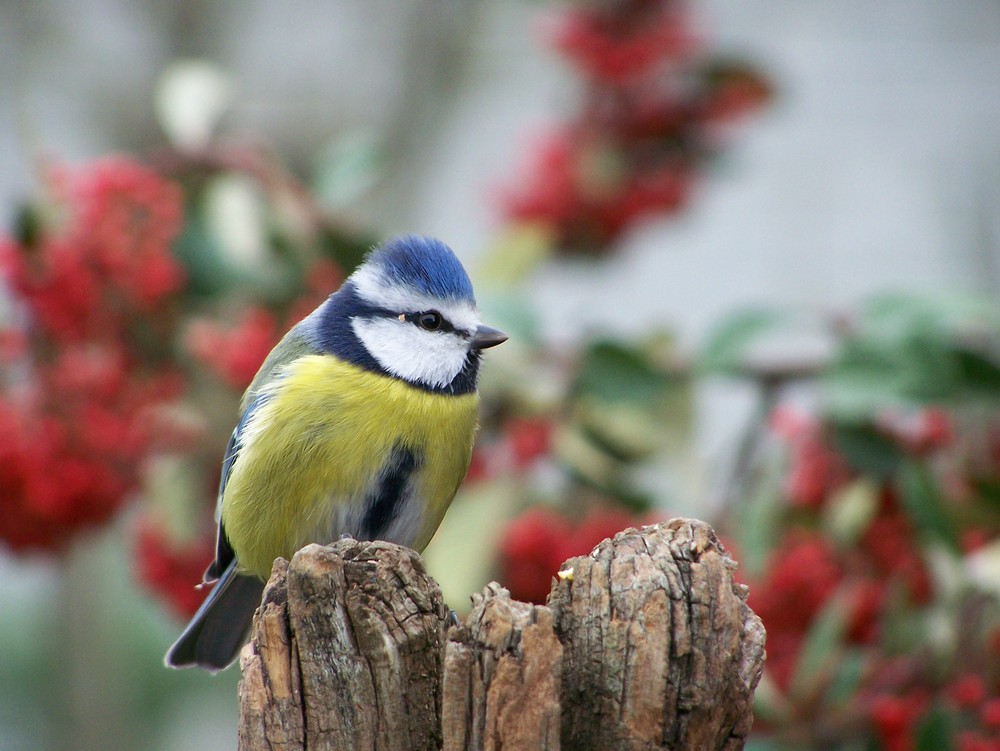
(360, 423)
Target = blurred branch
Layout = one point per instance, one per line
(771, 380)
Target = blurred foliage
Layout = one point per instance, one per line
(867, 523)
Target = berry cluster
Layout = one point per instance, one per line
(79, 403)
(870, 575)
(651, 115)
(234, 352)
(101, 265)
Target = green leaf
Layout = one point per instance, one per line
(516, 254)
(850, 510)
(462, 554)
(758, 516)
(625, 431)
(348, 167)
(634, 499)
(592, 465)
(922, 500)
(935, 730)
(727, 346)
(614, 372)
(770, 705)
(866, 450)
(236, 211)
(989, 491)
(896, 314)
(949, 312)
(847, 678)
(980, 376)
(28, 226)
(196, 248)
(903, 627)
(347, 249)
(859, 382)
(929, 370)
(174, 493)
(820, 649)
(909, 351)
(875, 372)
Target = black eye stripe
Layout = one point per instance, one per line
(418, 319)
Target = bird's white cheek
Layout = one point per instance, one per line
(427, 357)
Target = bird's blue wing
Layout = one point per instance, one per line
(224, 554)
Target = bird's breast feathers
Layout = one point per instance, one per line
(335, 449)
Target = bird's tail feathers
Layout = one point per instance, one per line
(220, 628)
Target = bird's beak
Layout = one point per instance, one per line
(486, 337)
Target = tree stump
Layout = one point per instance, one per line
(346, 652)
(647, 643)
(660, 650)
(502, 671)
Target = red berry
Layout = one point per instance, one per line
(989, 713)
(967, 690)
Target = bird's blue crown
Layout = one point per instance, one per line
(425, 264)
(403, 275)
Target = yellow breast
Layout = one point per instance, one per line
(315, 447)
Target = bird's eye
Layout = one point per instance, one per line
(431, 320)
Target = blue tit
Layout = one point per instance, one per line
(360, 422)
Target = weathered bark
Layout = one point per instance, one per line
(647, 643)
(346, 653)
(660, 650)
(271, 690)
(501, 677)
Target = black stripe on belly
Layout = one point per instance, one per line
(383, 502)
